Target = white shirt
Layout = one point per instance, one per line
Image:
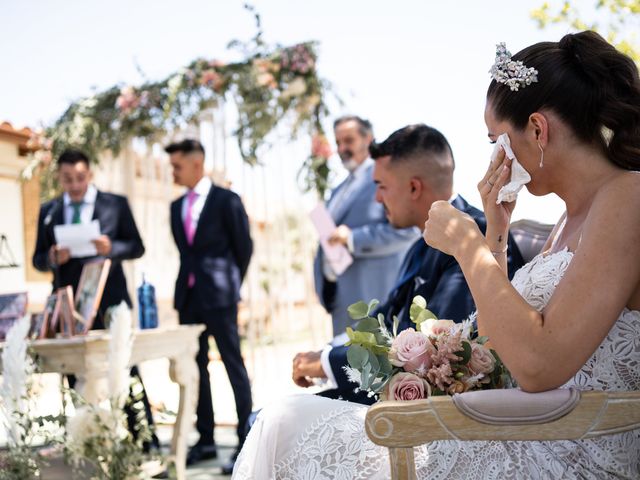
(86, 208)
(202, 191)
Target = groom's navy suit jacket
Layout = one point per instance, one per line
(220, 253)
(116, 222)
(438, 278)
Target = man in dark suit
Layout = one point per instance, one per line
(81, 202)
(211, 230)
(119, 240)
(414, 168)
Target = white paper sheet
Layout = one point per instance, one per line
(337, 255)
(77, 238)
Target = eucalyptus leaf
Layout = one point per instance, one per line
(385, 365)
(368, 324)
(364, 339)
(414, 311)
(357, 356)
(367, 378)
(425, 315)
(372, 305)
(420, 301)
(358, 310)
(375, 364)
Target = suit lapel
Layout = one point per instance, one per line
(178, 225)
(208, 205)
(101, 212)
(351, 196)
(58, 217)
(54, 217)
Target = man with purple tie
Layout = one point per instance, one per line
(211, 230)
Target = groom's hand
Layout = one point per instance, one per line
(307, 366)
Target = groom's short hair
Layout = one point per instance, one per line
(185, 147)
(422, 147)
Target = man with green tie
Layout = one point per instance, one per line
(82, 202)
(119, 239)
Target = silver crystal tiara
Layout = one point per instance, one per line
(513, 74)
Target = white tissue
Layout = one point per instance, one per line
(519, 176)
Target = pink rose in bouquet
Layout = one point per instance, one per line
(407, 386)
(439, 357)
(482, 361)
(434, 326)
(412, 351)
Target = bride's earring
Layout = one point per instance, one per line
(541, 155)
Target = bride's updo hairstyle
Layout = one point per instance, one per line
(594, 89)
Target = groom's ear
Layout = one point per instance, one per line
(539, 128)
(416, 187)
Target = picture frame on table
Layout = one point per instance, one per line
(41, 321)
(13, 306)
(89, 293)
(66, 311)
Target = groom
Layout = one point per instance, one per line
(414, 168)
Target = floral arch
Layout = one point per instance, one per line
(272, 84)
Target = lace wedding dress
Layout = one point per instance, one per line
(309, 437)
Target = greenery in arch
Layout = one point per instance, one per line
(272, 84)
(618, 21)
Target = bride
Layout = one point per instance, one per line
(571, 317)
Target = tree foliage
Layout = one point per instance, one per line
(616, 20)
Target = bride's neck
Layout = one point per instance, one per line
(577, 178)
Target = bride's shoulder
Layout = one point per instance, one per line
(624, 186)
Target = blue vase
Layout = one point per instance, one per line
(147, 308)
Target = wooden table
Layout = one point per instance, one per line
(88, 358)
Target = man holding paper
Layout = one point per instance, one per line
(84, 223)
(360, 251)
(80, 225)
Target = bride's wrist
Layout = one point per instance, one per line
(468, 249)
(498, 242)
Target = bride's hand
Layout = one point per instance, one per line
(448, 229)
(497, 176)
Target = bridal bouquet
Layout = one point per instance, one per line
(437, 357)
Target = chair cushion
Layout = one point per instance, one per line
(515, 407)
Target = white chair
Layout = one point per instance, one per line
(530, 236)
(497, 415)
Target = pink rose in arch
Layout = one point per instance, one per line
(320, 147)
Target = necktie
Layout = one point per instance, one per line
(341, 195)
(190, 229)
(77, 209)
